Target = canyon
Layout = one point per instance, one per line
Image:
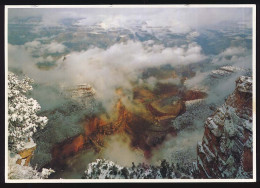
(145, 116)
(226, 148)
(150, 115)
(146, 119)
(225, 152)
(133, 93)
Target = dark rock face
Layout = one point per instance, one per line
(226, 148)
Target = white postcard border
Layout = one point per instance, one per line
(253, 6)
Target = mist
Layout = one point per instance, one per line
(182, 148)
(105, 70)
(118, 149)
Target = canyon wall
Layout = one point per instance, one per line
(226, 149)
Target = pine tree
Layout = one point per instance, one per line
(22, 118)
(22, 123)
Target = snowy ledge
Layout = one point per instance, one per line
(244, 84)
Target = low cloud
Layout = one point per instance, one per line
(196, 82)
(223, 89)
(118, 149)
(55, 47)
(122, 64)
(235, 56)
(37, 48)
(105, 70)
(172, 25)
(192, 35)
(181, 148)
(231, 51)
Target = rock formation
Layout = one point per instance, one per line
(146, 119)
(226, 149)
(26, 156)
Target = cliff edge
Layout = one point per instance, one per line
(226, 149)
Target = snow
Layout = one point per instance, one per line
(220, 72)
(22, 124)
(201, 164)
(226, 70)
(188, 104)
(242, 174)
(200, 148)
(23, 120)
(205, 140)
(231, 68)
(248, 125)
(29, 144)
(249, 143)
(230, 128)
(210, 156)
(102, 169)
(226, 123)
(16, 171)
(244, 84)
(211, 124)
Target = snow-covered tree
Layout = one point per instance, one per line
(22, 123)
(22, 118)
(104, 169)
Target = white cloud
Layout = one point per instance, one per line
(192, 35)
(18, 57)
(157, 24)
(231, 51)
(181, 148)
(236, 56)
(118, 146)
(37, 48)
(196, 81)
(33, 44)
(108, 69)
(132, 56)
(122, 63)
(55, 47)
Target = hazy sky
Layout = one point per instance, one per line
(182, 18)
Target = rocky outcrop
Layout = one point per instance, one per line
(226, 71)
(226, 148)
(80, 93)
(26, 156)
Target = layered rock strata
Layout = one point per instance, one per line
(226, 149)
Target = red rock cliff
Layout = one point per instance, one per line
(226, 147)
